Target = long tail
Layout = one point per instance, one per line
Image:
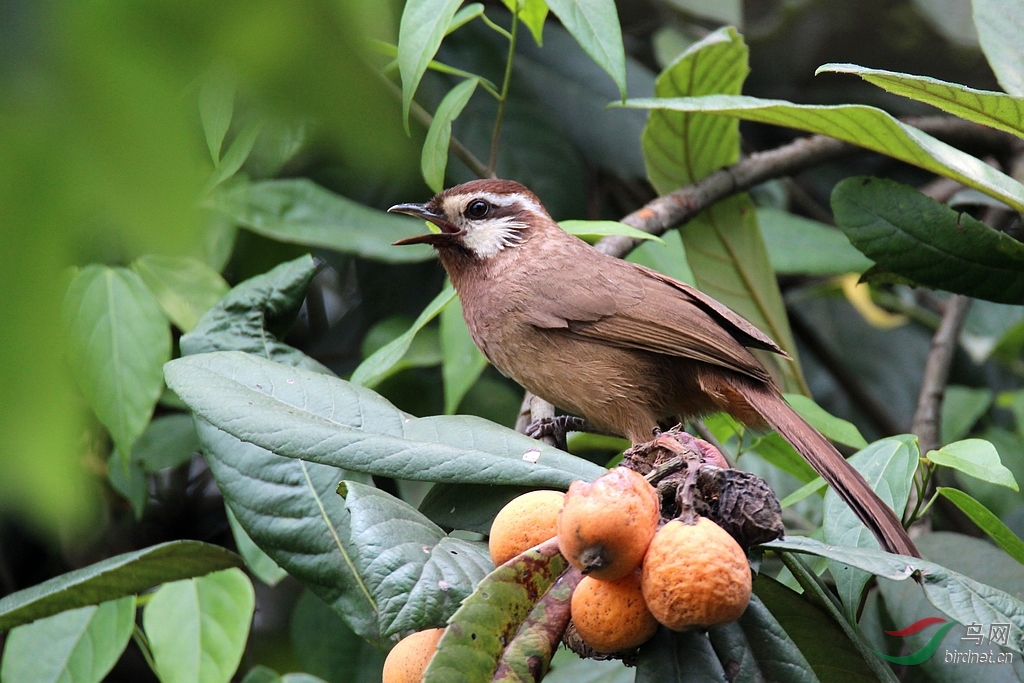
(833, 468)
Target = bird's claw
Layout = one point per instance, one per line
(557, 428)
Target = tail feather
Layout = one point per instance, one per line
(833, 468)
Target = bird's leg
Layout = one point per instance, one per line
(558, 427)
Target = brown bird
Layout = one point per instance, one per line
(622, 345)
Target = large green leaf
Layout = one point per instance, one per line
(888, 467)
(994, 109)
(477, 634)
(117, 342)
(197, 628)
(567, 667)
(299, 211)
(910, 234)
(255, 314)
(423, 27)
(113, 578)
(326, 647)
(986, 521)
(595, 26)
(724, 246)
(834, 428)
(977, 458)
(77, 646)
(259, 563)
(959, 597)
(1000, 24)
(859, 125)
(185, 287)
(462, 360)
(679, 657)
(434, 158)
(323, 419)
(800, 246)
(470, 507)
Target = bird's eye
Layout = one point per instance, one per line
(477, 208)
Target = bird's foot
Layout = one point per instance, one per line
(558, 427)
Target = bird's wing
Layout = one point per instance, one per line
(621, 304)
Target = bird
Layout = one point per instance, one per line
(619, 344)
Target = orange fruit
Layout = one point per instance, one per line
(612, 616)
(605, 526)
(695, 575)
(530, 519)
(409, 658)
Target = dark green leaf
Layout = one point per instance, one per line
(423, 27)
(910, 234)
(197, 628)
(961, 409)
(777, 657)
(800, 246)
(734, 653)
(79, 646)
(434, 158)
(680, 658)
(977, 458)
(255, 314)
(598, 229)
(463, 361)
(1000, 24)
(306, 415)
(326, 647)
(117, 341)
(470, 507)
(834, 428)
(113, 578)
(478, 632)
(994, 109)
(168, 441)
(986, 521)
(567, 667)
(299, 211)
(185, 288)
(859, 125)
(263, 674)
(130, 480)
(259, 563)
(379, 365)
(888, 467)
(595, 26)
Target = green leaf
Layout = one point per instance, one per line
(977, 458)
(800, 246)
(805, 491)
(424, 351)
(323, 419)
(837, 429)
(779, 452)
(470, 507)
(724, 246)
(253, 315)
(1000, 25)
(216, 106)
(568, 667)
(434, 158)
(478, 632)
(390, 50)
(959, 597)
(464, 16)
(185, 288)
(533, 13)
(298, 211)
(113, 578)
(671, 656)
(961, 409)
(168, 441)
(197, 628)
(888, 467)
(669, 257)
(598, 229)
(130, 480)
(908, 233)
(463, 361)
(776, 656)
(80, 645)
(326, 647)
(118, 340)
(259, 563)
(860, 125)
(994, 109)
(595, 26)
(423, 27)
(986, 521)
(263, 674)
(236, 155)
(831, 655)
(376, 368)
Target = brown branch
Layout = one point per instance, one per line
(927, 417)
(534, 408)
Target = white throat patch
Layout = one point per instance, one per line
(487, 236)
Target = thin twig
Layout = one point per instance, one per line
(503, 100)
(927, 417)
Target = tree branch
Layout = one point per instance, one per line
(927, 418)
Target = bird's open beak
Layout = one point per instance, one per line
(448, 231)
